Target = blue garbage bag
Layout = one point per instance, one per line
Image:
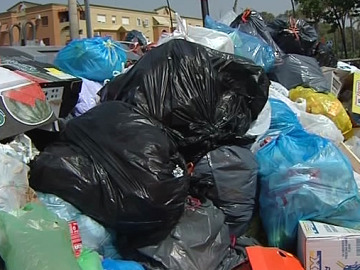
(246, 45)
(121, 265)
(95, 59)
(94, 236)
(303, 177)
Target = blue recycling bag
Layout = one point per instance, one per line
(303, 177)
(121, 265)
(95, 59)
(246, 45)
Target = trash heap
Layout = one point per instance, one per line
(227, 147)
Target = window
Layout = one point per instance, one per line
(101, 18)
(125, 20)
(64, 16)
(138, 22)
(45, 21)
(46, 41)
(82, 15)
(198, 25)
(113, 19)
(146, 22)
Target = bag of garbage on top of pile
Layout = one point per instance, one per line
(251, 22)
(203, 97)
(313, 123)
(94, 236)
(206, 37)
(325, 104)
(228, 177)
(119, 167)
(35, 238)
(299, 70)
(303, 177)
(294, 36)
(94, 59)
(247, 46)
(200, 240)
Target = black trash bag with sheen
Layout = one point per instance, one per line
(251, 22)
(119, 167)
(228, 177)
(204, 98)
(294, 36)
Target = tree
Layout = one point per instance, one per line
(267, 16)
(334, 12)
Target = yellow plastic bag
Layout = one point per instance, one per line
(325, 104)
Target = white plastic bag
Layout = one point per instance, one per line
(228, 18)
(203, 36)
(262, 123)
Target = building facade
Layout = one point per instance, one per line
(28, 22)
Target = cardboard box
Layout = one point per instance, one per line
(23, 105)
(354, 160)
(327, 247)
(61, 89)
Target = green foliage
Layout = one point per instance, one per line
(267, 16)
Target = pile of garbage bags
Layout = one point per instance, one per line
(206, 153)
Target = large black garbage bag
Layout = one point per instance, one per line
(119, 167)
(199, 241)
(251, 22)
(228, 177)
(205, 98)
(294, 36)
(299, 70)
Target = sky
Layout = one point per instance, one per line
(183, 7)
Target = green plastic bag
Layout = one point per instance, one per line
(34, 238)
(89, 260)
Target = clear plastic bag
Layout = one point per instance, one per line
(94, 236)
(354, 144)
(246, 45)
(206, 37)
(303, 177)
(13, 183)
(95, 59)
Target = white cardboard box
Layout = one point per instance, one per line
(327, 247)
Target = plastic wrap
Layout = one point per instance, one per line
(294, 36)
(119, 167)
(34, 238)
(13, 183)
(199, 241)
(251, 22)
(203, 97)
(303, 177)
(299, 70)
(94, 236)
(206, 37)
(95, 59)
(228, 177)
(325, 104)
(247, 46)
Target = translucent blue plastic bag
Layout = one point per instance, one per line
(246, 45)
(94, 235)
(121, 265)
(303, 177)
(94, 59)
